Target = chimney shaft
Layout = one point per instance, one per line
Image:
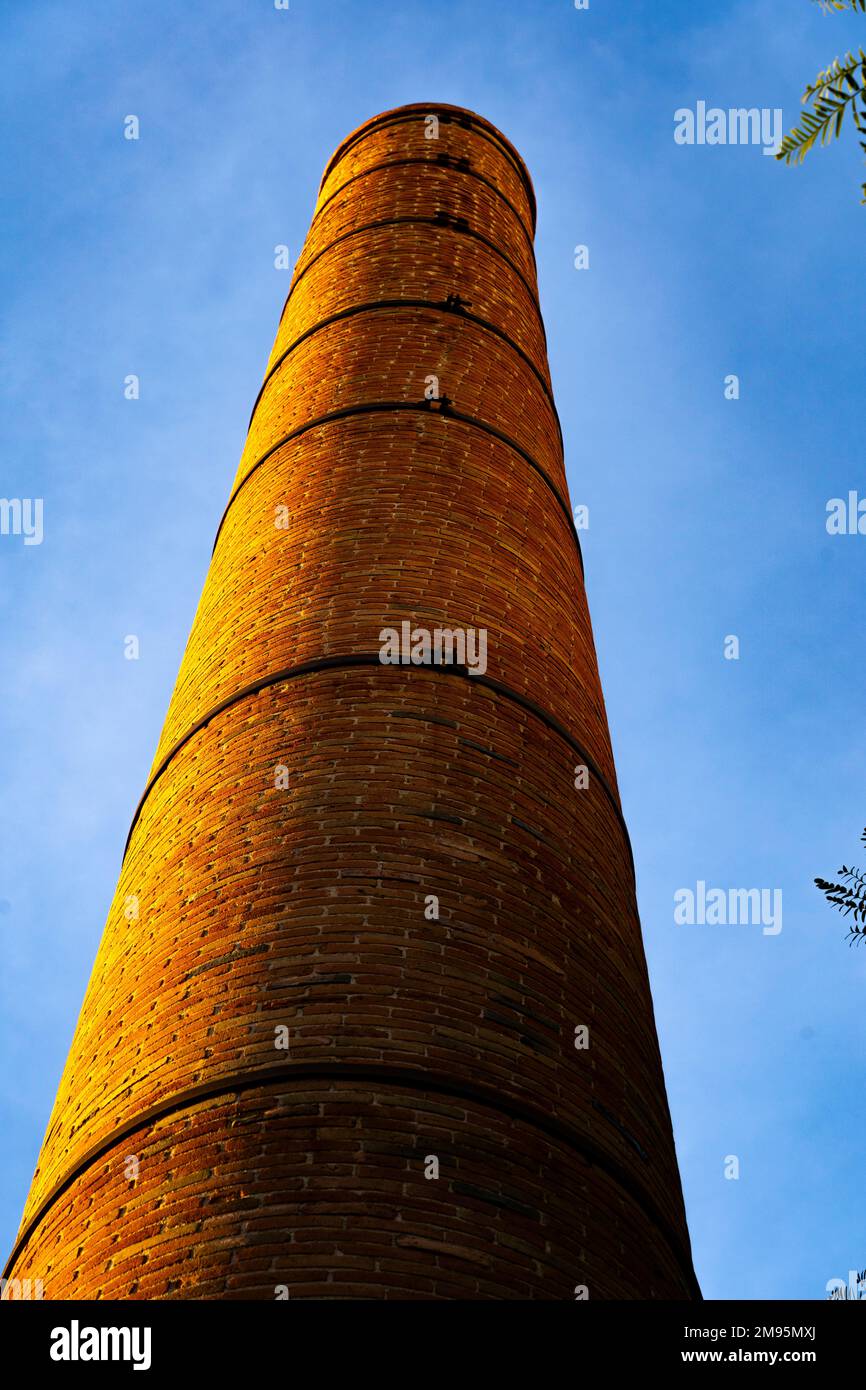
(370, 1016)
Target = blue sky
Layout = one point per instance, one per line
(707, 516)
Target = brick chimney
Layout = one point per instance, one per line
(370, 1017)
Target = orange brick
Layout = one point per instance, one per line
(190, 1156)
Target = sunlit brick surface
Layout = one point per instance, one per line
(189, 1156)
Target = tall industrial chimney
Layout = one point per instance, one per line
(370, 1017)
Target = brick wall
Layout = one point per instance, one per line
(281, 1032)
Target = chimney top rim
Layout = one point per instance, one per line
(436, 108)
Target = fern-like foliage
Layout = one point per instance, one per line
(834, 90)
(849, 897)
